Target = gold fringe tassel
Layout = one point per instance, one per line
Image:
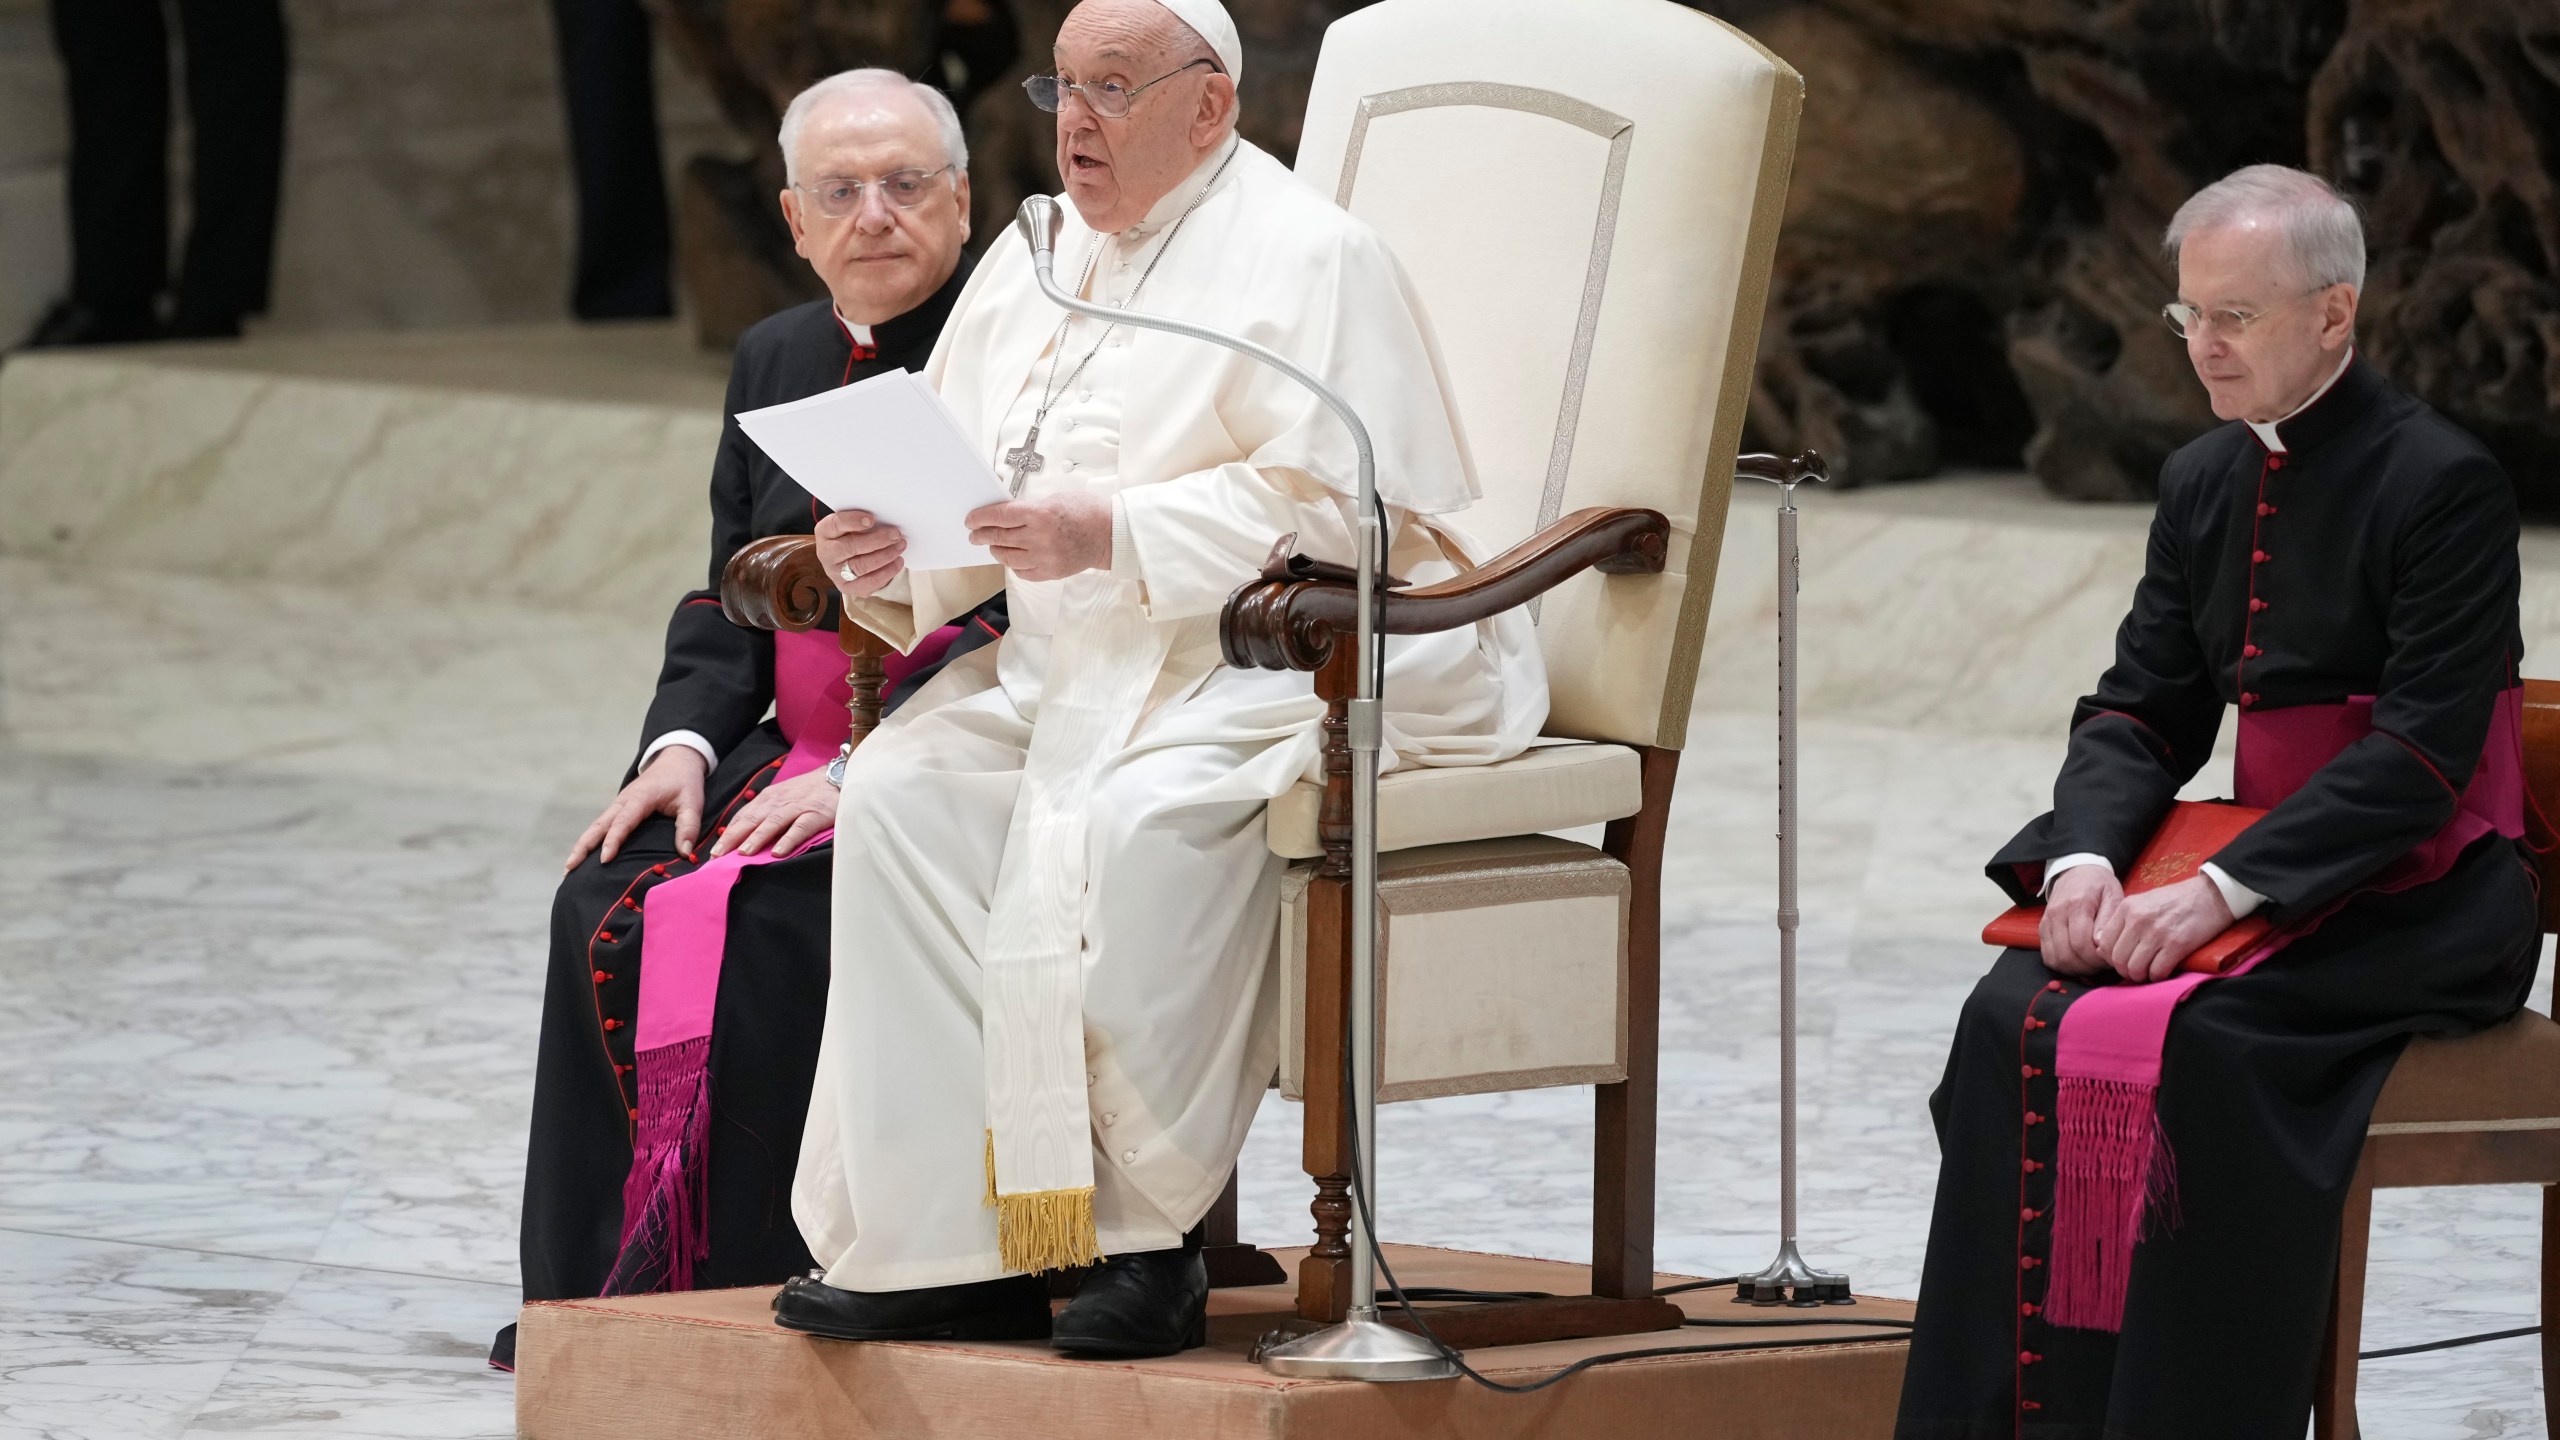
(1047, 1230)
(991, 1170)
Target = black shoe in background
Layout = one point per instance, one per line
(70, 323)
(502, 1351)
(1013, 1308)
(1133, 1307)
(201, 325)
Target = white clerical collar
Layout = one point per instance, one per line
(1178, 199)
(2266, 432)
(861, 333)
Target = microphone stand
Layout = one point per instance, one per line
(1788, 1280)
(1361, 1347)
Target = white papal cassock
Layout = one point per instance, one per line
(1054, 908)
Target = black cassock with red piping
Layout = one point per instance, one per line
(2371, 554)
(718, 682)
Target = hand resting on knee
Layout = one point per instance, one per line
(671, 784)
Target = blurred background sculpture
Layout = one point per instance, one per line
(1978, 180)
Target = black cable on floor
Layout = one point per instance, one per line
(1422, 1327)
(2457, 1341)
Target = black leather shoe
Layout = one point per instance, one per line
(1134, 1306)
(71, 323)
(1013, 1308)
(502, 1351)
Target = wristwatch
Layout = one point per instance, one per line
(835, 767)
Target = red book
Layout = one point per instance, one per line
(2194, 832)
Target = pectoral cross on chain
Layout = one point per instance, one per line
(1025, 460)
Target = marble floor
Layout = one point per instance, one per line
(271, 913)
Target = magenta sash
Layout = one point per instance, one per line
(666, 1222)
(2116, 1176)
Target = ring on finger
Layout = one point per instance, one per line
(846, 570)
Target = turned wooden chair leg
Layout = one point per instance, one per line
(2550, 1291)
(1324, 1276)
(2333, 1402)
(1622, 1191)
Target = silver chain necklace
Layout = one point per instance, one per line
(1025, 458)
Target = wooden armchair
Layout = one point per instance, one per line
(1599, 346)
(2479, 1110)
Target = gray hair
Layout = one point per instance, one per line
(955, 145)
(2322, 233)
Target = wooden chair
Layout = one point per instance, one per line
(1587, 198)
(2478, 1110)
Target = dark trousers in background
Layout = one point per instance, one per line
(607, 86)
(115, 60)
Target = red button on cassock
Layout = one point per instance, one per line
(2034, 1119)
(2028, 1357)
(613, 1024)
(602, 976)
(2257, 604)
(2252, 651)
(2247, 699)
(2257, 557)
(2027, 1307)
(2266, 509)
(2028, 1262)
(2035, 1024)
(2034, 1165)
(2029, 1214)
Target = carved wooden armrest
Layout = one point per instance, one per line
(776, 584)
(1290, 618)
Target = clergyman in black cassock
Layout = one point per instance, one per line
(2370, 552)
(717, 683)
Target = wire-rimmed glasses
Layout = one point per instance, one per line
(1106, 98)
(839, 196)
(2225, 322)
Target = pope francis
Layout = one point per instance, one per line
(1052, 1012)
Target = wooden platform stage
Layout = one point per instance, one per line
(712, 1363)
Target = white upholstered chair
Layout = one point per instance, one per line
(1587, 197)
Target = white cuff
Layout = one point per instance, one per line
(687, 738)
(2072, 862)
(1124, 546)
(2239, 897)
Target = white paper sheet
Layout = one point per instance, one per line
(887, 445)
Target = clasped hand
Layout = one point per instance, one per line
(2090, 925)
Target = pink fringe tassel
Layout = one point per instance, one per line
(666, 1217)
(2117, 1178)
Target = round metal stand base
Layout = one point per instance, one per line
(1790, 1281)
(1359, 1349)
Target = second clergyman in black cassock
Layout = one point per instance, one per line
(756, 707)
(2345, 580)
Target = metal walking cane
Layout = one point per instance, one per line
(1788, 1280)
